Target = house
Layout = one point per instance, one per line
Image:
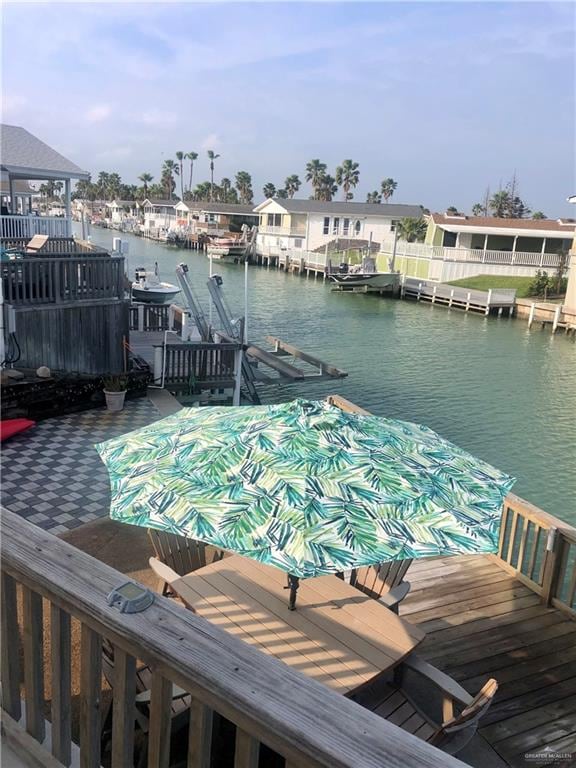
(120, 211)
(488, 233)
(159, 214)
(459, 246)
(24, 194)
(214, 217)
(311, 224)
(24, 157)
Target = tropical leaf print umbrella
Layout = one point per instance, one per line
(305, 486)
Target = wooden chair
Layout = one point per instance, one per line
(180, 556)
(180, 702)
(384, 582)
(429, 704)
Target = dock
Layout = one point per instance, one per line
(498, 300)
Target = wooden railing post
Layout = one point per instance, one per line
(550, 567)
(11, 674)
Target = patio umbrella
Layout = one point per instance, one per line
(305, 486)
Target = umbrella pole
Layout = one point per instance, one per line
(293, 584)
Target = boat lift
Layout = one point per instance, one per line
(234, 330)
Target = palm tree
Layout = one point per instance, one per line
(538, 215)
(102, 184)
(269, 190)
(225, 187)
(114, 185)
(169, 170)
(180, 157)
(292, 185)
(244, 186)
(212, 157)
(500, 204)
(191, 156)
(347, 176)
(452, 210)
(388, 187)
(282, 194)
(327, 187)
(374, 197)
(202, 191)
(412, 230)
(145, 178)
(315, 171)
(478, 210)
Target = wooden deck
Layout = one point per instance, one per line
(481, 622)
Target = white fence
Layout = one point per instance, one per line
(472, 255)
(28, 226)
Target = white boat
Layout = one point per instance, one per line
(148, 287)
(227, 249)
(365, 276)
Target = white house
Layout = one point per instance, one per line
(313, 224)
(120, 211)
(159, 214)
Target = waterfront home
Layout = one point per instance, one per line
(158, 215)
(458, 246)
(24, 157)
(311, 224)
(214, 218)
(121, 211)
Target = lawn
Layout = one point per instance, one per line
(485, 282)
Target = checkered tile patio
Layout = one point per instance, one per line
(52, 475)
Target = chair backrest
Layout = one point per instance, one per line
(36, 243)
(374, 580)
(474, 711)
(179, 553)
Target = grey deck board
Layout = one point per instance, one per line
(529, 649)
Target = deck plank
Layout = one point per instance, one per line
(481, 622)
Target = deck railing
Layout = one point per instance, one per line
(55, 246)
(28, 226)
(540, 550)
(54, 280)
(151, 317)
(192, 366)
(268, 702)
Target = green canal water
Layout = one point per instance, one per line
(504, 393)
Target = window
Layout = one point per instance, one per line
(327, 225)
(298, 242)
(274, 220)
(393, 225)
(345, 226)
(336, 226)
(357, 227)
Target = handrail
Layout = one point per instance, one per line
(301, 719)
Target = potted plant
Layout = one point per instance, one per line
(115, 391)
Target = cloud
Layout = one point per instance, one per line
(98, 113)
(115, 153)
(212, 141)
(159, 117)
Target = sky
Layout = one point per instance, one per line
(446, 98)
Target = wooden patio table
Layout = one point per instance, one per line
(336, 635)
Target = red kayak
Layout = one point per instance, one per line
(10, 427)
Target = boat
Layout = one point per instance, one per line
(148, 287)
(365, 276)
(230, 249)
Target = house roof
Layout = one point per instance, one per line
(387, 210)
(122, 202)
(230, 208)
(24, 156)
(164, 203)
(493, 225)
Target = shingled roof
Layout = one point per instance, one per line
(24, 156)
(387, 210)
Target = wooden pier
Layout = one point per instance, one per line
(498, 300)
